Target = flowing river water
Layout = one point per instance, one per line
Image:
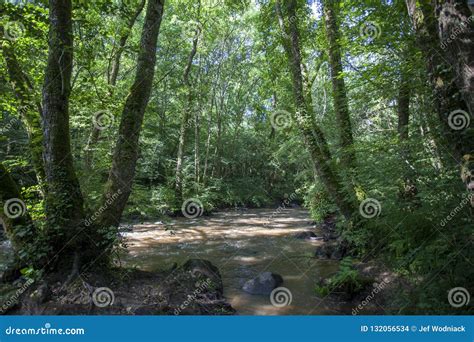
(242, 244)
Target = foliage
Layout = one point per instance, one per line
(347, 281)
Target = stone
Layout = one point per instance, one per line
(201, 268)
(330, 251)
(264, 284)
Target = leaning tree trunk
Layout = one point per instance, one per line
(341, 106)
(311, 132)
(122, 173)
(63, 201)
(448, 98)
(29, 109)
(112, 80)
(122, 42)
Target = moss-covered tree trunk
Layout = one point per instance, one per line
(64, 201)
(122, 173)
(339, 92)
(313, 136)
(448, 97)
(456, 33)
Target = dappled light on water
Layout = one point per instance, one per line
(242, 245)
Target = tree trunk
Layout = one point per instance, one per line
(312, 134)
(409, 189)
(456, 32)
(217, 165)
(64, 201)
(208, 141)
(197, 162)
(112, 80)
(29, 109)
(403, 106)
(447, 95)
(89, 149)
(185, 120)
(341, 105)
(119, 184)
(123, 40)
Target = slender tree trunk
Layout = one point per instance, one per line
(403, 106)
(29, 109)
(312, 134)
(427, 130)
(197, 162)
(185, 120)
(217, 169)
(121, 46)
(89, 149)
(94, 136)
(409, 189)
(122, 173)
(447, 95)
(64, 201)
(208, 142)
(341, 105)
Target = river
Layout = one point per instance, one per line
(241, 244)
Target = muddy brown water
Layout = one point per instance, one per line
(241, 244)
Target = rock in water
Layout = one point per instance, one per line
(205, 269)
(328, 250)
(263, 284)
